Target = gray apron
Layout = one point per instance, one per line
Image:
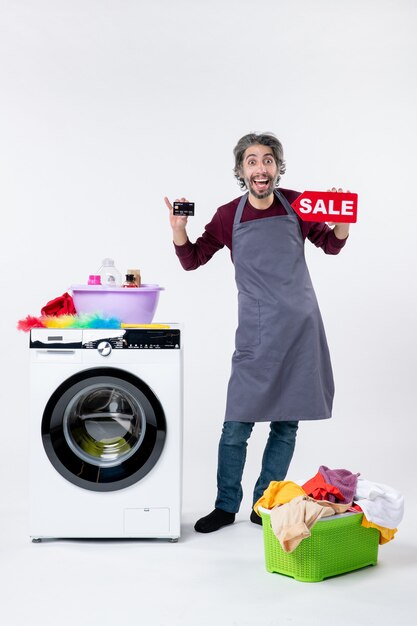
(281, 366)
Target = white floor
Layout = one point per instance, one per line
(201, 580)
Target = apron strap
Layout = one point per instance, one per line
(287, 206)
(239, 211)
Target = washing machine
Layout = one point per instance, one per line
(106, 432)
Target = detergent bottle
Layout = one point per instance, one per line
(110, 275)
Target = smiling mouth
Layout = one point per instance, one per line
(261, 183)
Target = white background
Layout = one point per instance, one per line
(107, 106)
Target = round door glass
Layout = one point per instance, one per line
(104, 425)
(103, 429)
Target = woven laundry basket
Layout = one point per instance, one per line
(337, 545)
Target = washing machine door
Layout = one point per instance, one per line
(103, 429)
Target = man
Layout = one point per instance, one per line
(281, 370)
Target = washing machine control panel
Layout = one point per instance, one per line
(135, 339)
(106, 340)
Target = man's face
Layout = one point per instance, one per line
(259, 170)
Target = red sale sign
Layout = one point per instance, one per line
(327, 206)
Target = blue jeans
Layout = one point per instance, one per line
(232, 456)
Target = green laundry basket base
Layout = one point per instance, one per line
(336, 546)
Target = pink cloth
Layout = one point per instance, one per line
(343, 480)
(318, 489)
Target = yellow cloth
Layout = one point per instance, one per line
(385, 534)
(278, 492)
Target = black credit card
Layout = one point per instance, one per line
(183, 208)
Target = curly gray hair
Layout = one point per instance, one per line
(264, 139)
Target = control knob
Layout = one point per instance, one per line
(104, 348)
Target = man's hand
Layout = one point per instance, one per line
(178, 223)
(340, 230)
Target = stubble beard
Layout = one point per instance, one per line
(264, 194)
